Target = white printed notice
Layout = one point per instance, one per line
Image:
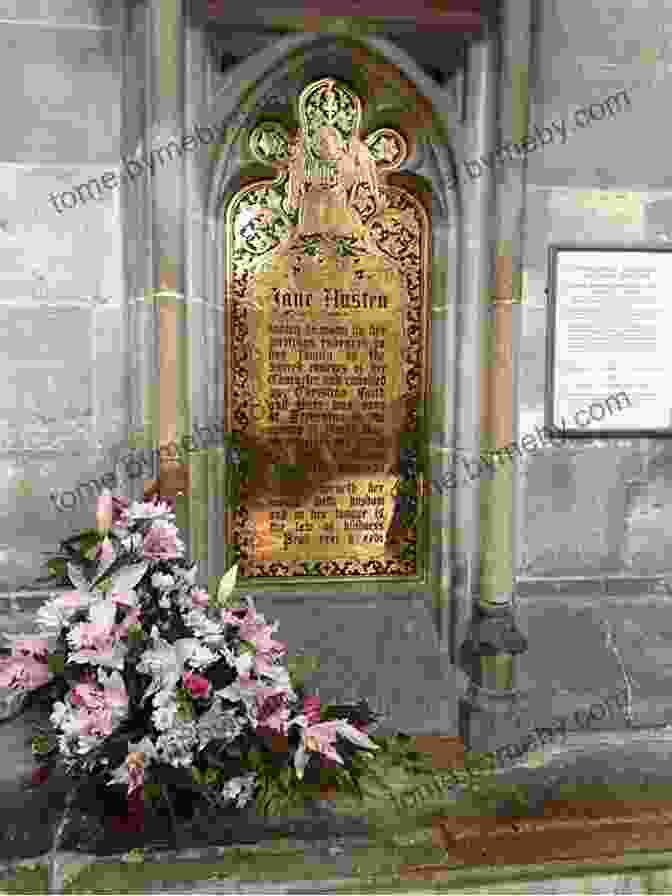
(613, 327)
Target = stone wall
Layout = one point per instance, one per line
(62, 410)
(593, 507)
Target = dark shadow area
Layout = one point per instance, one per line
(30, 816)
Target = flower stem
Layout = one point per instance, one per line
(173, 819)
(54, 876)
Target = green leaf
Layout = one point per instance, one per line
(300, 667)
(211, 777)
(40, 744)
(227, 585)
(57, 566)
(136, 633)
(56, 663)
(185, 713)
(152, 791)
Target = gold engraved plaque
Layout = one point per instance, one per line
(327, 270)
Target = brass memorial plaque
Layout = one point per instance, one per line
(327, 284)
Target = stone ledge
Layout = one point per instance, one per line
(589, 585)
(74, 862)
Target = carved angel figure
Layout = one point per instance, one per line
(321, 183)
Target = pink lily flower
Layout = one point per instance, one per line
(37, 647)
(264, 664)
(26, 672)
(124, 598)
(27, 666)
(98, 721)
(94, 636)
(162, 542)
(321, 738)
(104, 512)
(73, 600)
(200, 598)
(100, 706)
(276, 721)
(272, 709)
(197, 685)
(318, 738)
(255, 629)
(120, 514)
(311, 709)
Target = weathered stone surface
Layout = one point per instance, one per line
(658, 217)
(11, 702)
(49, 257)
(640, 646)
(575, 500)
(65, 12)
(16, 759)
(69, 109)
(574, 509)
(649, 522)
(385, 650)
(557, 688)
(583, 58)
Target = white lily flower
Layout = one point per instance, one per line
(243, 664)
(245, 691)
(218, 724)
(55, 613)
(164, 716)
(202, 626)
(126, 579)
(58, 713)
(175, 746)
(240, 790)
(108, 659)
(188, 576)
(166, 661)
(162, 582)
(150, 511)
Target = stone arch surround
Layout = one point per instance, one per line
(392, 642)
(396, 624)
(279, 79)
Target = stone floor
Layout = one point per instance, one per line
(635, 756)
(626, 756)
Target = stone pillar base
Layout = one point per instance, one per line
(492, 719)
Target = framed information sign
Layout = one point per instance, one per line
(609, 353)
(326, 299)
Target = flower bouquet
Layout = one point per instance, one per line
(156, 687)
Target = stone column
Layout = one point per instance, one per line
(474, 264)
(155, 246)
(490, 712)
